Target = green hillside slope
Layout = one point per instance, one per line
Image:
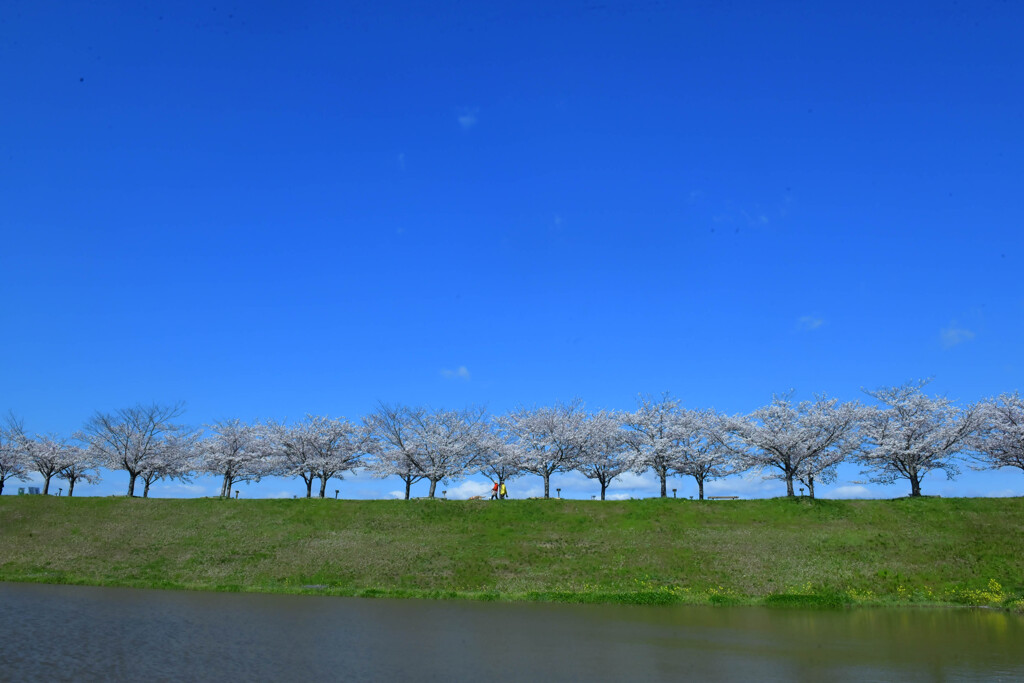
(786, 552)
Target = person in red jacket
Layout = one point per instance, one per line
(494, 492)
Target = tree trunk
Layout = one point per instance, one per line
(915, 484)
(71, 487)
(664, 487)
(603, 487)
(309, 486)
(810, 486)
(433, 485)
(131, 484)
(323, 486)
(145, 491)
(700, 487)
(225, 487)
(789, 485)
(46, 485)
(547, 490)
(1, 486)
(408, 487)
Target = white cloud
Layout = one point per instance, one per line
(848, 492)
(461, 373)
(468, 489)
(632, 480)
(517, 490)
(396, 494)
(177, 490)
(809, 322)
(953, 335)
(467, 118)
(749, 485)
(196, 489)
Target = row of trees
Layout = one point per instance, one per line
(904, 435)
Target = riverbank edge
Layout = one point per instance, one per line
(662, 597)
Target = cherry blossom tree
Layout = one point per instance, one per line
(703, 450)
(910, 434)
(449, 443)
(548, 439)
(499, 460)
(298, 457)
(605, 449)
(133, 439)
(334, 446)
(1000, 441)
(47, 455)
(236, 452)
(174, 458)
(655, 443)
(799, 440)
(79, 465)
(12, 453)
(391, 441)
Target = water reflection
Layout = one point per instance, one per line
(86, 633)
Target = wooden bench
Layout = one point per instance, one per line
(722, 497)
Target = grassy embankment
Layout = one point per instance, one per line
(775, 552)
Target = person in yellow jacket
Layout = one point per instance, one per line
(504, 491)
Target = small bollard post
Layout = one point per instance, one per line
(335, 494)
(673, 493)
(444, 494)
(801, 491)
(236, 494)
(559, 492)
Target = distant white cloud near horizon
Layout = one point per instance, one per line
(466, 489)
(855, 491)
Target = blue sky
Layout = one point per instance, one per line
(267, 211)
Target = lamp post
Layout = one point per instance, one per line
(673, 493)
(335, 494)
(236, 494)
(559, 492)
(801, 491)
(444, 494)
(59, 491)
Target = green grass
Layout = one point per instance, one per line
(793, 552)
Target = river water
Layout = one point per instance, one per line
(88, 633)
